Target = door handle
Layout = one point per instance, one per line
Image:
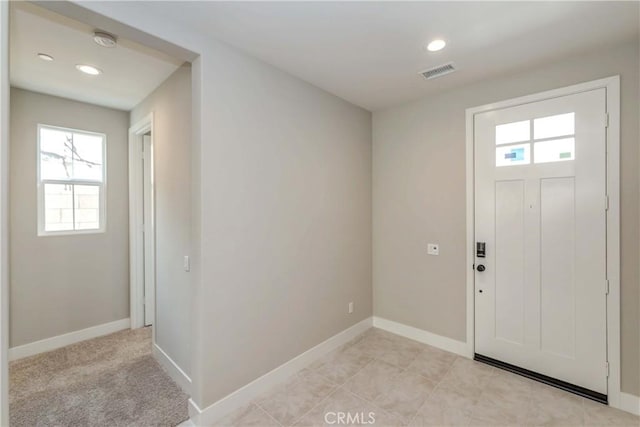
(481, 268)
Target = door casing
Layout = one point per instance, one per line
(137, 239)
(612, 86)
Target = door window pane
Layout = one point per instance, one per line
(513, 132)
(512, 155)
(554, 126)
(555, 150)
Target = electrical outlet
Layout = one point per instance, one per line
(433, 249)
(187, 263)
(350, 308)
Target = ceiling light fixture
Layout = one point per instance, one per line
(88, 69)
(104, 39)
(436, 45)
(45, 57)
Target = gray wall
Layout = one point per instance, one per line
(61, 284)
(285, 209)
(419, 197)
(170, 104)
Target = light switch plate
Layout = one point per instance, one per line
(433, 249)
(187, 264)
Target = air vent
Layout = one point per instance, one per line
(438, 71)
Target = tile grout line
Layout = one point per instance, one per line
(299, 377)
(434, 389)
(267, 412)
(402, 371)
(337, 387)
(373, 403)
(300, 418)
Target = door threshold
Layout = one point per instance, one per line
(553, 382)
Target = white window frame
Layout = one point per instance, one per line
(102, 185)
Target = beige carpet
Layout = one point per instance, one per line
(107, 381)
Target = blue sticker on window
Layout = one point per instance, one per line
(516, 154)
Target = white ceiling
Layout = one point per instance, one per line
(130, 71)
(370, 53)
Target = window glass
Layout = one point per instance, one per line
(87, 159)
(554, 150)
(554, 126)
(87, 207)
(58, 202)
(513, 132)
(512, 155)
(55, 154)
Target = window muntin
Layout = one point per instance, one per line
(71, 181)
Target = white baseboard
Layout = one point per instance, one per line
(59, 341)
(629, 403)
(444, 343)
(244, 395)
(174, 371)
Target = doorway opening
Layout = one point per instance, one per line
(141, 223)
(78, 94)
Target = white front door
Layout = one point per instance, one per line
(540, 209)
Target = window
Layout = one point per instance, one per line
(71, 181)
(555, 129)
(553, 140)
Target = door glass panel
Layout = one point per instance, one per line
(513, 132)
(555, 150)
(554, 126)
(512, 155)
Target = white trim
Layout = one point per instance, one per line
(420, 335)
(4, 210)
(247, 393)
(630, 403)
(59, 341)
(136, 220)
(612, 85)
(172, 368)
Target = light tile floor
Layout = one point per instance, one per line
(402, 382)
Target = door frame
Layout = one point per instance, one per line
(4, 213)
(137, 226)
(612, 86)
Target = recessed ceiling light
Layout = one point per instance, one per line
(45, 57)
(88, 69)
(436, 45)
